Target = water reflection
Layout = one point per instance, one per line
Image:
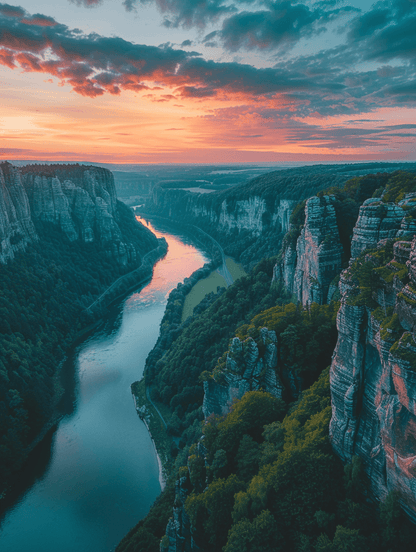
(93, 478)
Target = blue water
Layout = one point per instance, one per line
(96, 474)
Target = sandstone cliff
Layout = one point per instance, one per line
(373, 372)
(250, 220)
(80, 200)
(309, 266)
(378, 220)
(245, 370)
(16, 226)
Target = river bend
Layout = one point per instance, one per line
(96, 474)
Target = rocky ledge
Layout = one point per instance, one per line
(244, 369)
(16, 226)
(373, 371)
(80, 200)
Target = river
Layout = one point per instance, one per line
(96, 474)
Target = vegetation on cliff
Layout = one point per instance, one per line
(259, 480)
(174, 367)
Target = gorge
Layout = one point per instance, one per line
(335, 287)
(276, 349)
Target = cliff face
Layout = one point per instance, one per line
(373, 372)
(379, 221)
(83, 204)
(308, 268)
(81, 201)
(245, 370)
(250, 220)
(16, 226)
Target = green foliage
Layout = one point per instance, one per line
(210, 511)
(247, 418)
(364, 273)
(399, 185)
(197, 345)
(257, 536)
(306, 336)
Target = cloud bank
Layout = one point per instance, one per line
(382, 42)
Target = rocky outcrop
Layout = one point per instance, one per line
(16, 226)
(373, 372)
(245, 370)
(178, 536)
(308, 268)
(250, 220)
(227, 215)
(82, 203)
(376, 221)
(79, 200)
(380, 221)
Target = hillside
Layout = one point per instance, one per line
(264, 471)
(250, 220)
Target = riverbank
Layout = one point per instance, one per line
(128, 282)
(116, 292)
(157, 428)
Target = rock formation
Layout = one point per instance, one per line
(373, 372)
(178, 531)
(245, 370)
(82, 203)
(308, 268)
(16, 226)
(80, 200)
(379, 221)
(249, 220)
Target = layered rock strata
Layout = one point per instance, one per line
(81, 201)
(83, 205)
(245, 370)
(178, 531)
(373, 376)
(16, 226)
(308, 268)
(379, 221)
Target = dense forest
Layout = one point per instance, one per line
(264, 476)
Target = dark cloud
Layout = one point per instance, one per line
(366, 24)
(398, 40)
(323, 84)
(196, 92)
(185, 13)
(186, 43)
(283, 23)
(87, 3)
(11, 11)
(93, 64)
(209, 37)
(39, 20)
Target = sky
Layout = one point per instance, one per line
(208, 81)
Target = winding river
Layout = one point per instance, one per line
(96, 474)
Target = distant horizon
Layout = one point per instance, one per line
(288, 164)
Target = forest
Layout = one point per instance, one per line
(264, 476)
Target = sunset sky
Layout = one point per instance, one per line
(208, 81)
